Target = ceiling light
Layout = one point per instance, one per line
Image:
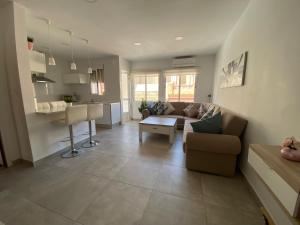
(51, 61)
(137, 43)
(73, 64)
(179, 38)
(90, 69)
(91, 1)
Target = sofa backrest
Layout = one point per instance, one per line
(180, 106)
(232, 124)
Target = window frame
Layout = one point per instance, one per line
(146, 75)
(100, 91)
(180, 73)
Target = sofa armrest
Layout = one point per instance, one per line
(214, 143)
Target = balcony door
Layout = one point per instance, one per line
(145, 87)
(180, 85)
(125, 95)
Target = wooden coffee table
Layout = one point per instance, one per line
(158, 125)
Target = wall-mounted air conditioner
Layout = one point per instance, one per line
(184, 61)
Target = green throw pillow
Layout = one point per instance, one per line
(212, 125)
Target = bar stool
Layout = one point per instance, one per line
(74, 114)
(94, 111)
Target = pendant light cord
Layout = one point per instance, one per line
(71, 41)
(89, 59)
(49, 38)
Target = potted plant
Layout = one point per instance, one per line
(30, 43)
(142, 107)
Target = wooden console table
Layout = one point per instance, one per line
(280, 175)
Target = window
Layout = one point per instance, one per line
(125, 93)
(180, 85)
(146, 87)
(97, 82)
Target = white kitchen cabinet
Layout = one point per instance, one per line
(37, 61)
(76, 78)
(111, 115)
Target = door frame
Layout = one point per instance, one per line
(2, 153)
(127, 114)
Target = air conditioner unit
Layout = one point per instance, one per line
(184, 61)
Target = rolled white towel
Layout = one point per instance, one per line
(43, 107)
(58, 106)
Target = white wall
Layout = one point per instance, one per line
(204, 85)
(7, 120)
(15, 75)
(26, 135)
(53, 91)
(204, 82)
(124, 64)
(111, 79)
(270, 31)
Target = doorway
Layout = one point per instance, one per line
(125, 95)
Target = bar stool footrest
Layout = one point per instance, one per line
(71, 154)
(90, 144)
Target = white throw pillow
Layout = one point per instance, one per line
(217, 109)
(170, 108)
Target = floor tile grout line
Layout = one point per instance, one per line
(47, 209)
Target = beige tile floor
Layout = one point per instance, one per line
(121, 182)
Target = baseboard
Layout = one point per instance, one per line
(20, 161)
(59, 152)
(108, 126)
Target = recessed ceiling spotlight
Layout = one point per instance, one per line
(137, 43)
(179, 38)
(91, 1)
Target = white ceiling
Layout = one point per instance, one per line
(112, 26)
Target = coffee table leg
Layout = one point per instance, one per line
(140, 133)
(171, 137)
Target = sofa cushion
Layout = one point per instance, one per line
(187, 127)
(211, 125)
(169, 108)
(191, 110)
(179, 107)
(217, 110)
(201, 111)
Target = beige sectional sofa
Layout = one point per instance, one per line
(212, 153)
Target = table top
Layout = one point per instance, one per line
(159, 121)
(288, 170)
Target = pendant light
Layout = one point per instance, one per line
(90, 69)
(73, 64)
(51, 60)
